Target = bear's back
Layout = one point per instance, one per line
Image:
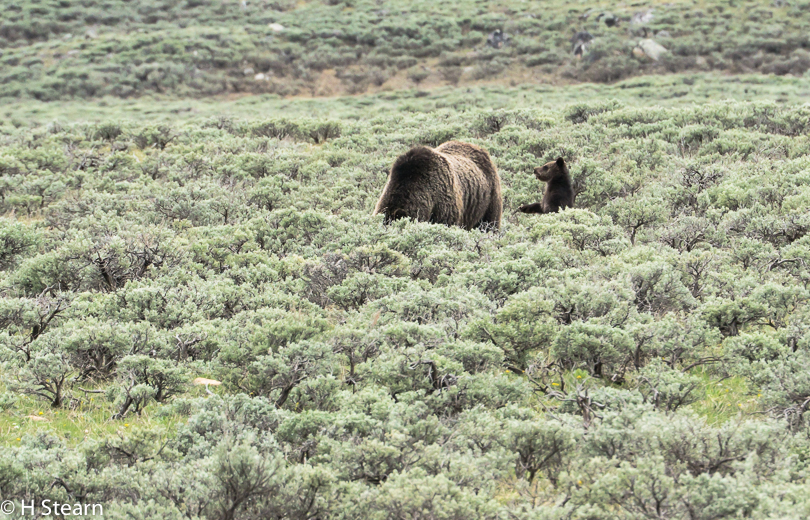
(475, 178)
(471, 152)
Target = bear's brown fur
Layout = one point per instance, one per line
(559, 193)
(455, 184)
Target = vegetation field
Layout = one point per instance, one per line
(201, 319)
(641, 356)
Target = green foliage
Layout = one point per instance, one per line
(640, 355)
(16, 240)
(143, 379)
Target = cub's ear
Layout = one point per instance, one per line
(560, 162)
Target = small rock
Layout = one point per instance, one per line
(277, 27)
(205, 381)
(582, 36)
(609, 18)
(91, 33)
(67, 36)
(74, 52)
(651, 49)
(580, 43)
(663, 34)
(248, 71)
(497, 39)
(642, 17)
(260, 77)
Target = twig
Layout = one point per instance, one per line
(91, 391)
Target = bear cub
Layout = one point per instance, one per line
(559, 192)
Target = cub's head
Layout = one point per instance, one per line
(551, 170)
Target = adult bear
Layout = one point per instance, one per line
(559, 192)
(455, 184)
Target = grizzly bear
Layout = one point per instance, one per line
(559, 192)
(455, 184)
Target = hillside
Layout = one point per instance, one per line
(57, 50)
(670, 90)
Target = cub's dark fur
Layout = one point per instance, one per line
(559, 192)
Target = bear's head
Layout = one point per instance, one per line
(551, 170)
